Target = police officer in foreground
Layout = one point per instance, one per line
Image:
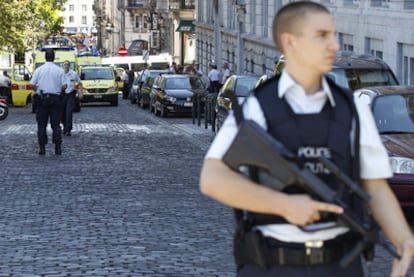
(69, 97)
(312, 117)
(49, 82)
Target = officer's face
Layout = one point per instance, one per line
(66, 67)
(314, 45)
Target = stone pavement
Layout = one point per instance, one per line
(122, 200)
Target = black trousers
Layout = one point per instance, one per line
(214, 86)
(49, 107)
(125, 91)
(355, 269)
(68, 106)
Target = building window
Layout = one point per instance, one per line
(84, 8)
(405, 63)
(346, 41)
(408, 4)
(380, 3)
(71, 8)
(141, 23)
(83, 20)
(155, 39)
(71, 19)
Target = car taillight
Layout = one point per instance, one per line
(14, 87)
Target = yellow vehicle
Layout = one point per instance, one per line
(100, 84)
(87, 59)
(20, 85)
(61, 54)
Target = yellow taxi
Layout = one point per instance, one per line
(100, 84)
(20, 85)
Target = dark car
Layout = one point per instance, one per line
(393, 109)
(142, 97)
(355, 71)
(173, 93)
(241, 85)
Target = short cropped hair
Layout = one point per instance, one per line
(289, 18)
(50, 55)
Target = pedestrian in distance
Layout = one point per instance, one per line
(5, 86)
(145, 73)
(214, 76)
(49, 82)
(69, 97)
(125, 90)
(225, 73)
(283, 229)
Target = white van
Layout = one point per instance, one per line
(162, 61)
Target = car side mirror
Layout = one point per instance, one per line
(82, 76)
(118, 79)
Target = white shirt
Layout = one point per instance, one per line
(214, 75)
(145, 74)
(226, 74)
(4, 81)
(71, 79)
(49, 77)
(374, 161)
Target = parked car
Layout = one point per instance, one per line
(355, 71)
(393, 110)
(173, 93)
(143, 98)
(242, 85)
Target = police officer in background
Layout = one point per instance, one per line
(49, 82)
(311, 116)
(69, 97)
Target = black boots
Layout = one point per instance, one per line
(58, 149)
(42, 150)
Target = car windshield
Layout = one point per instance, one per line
(356, 78)
(184, 83)
(245, 85)
(394, 113)
(97, 74)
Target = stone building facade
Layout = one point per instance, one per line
(239, 32)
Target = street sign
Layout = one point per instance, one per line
(122, 51)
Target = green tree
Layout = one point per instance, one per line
(24, 22)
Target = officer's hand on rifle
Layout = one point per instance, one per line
(303, 210)
(400, 267)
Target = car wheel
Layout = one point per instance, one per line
(3, 113)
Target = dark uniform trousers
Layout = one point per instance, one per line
(49, 107)
(68, 105)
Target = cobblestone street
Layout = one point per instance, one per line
(122, 200)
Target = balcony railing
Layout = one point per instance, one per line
(182, 4)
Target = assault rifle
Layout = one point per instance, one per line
(278, 167)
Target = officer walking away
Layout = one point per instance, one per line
(282, 232)
(69, 97)
(125, 90)
(49, 81)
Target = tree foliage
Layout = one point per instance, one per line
(25, 22)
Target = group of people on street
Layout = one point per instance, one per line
(218, 78)
(55, 95)
(292, 232)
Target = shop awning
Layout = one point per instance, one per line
(186, 26)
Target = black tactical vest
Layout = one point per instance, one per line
(327, 134)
